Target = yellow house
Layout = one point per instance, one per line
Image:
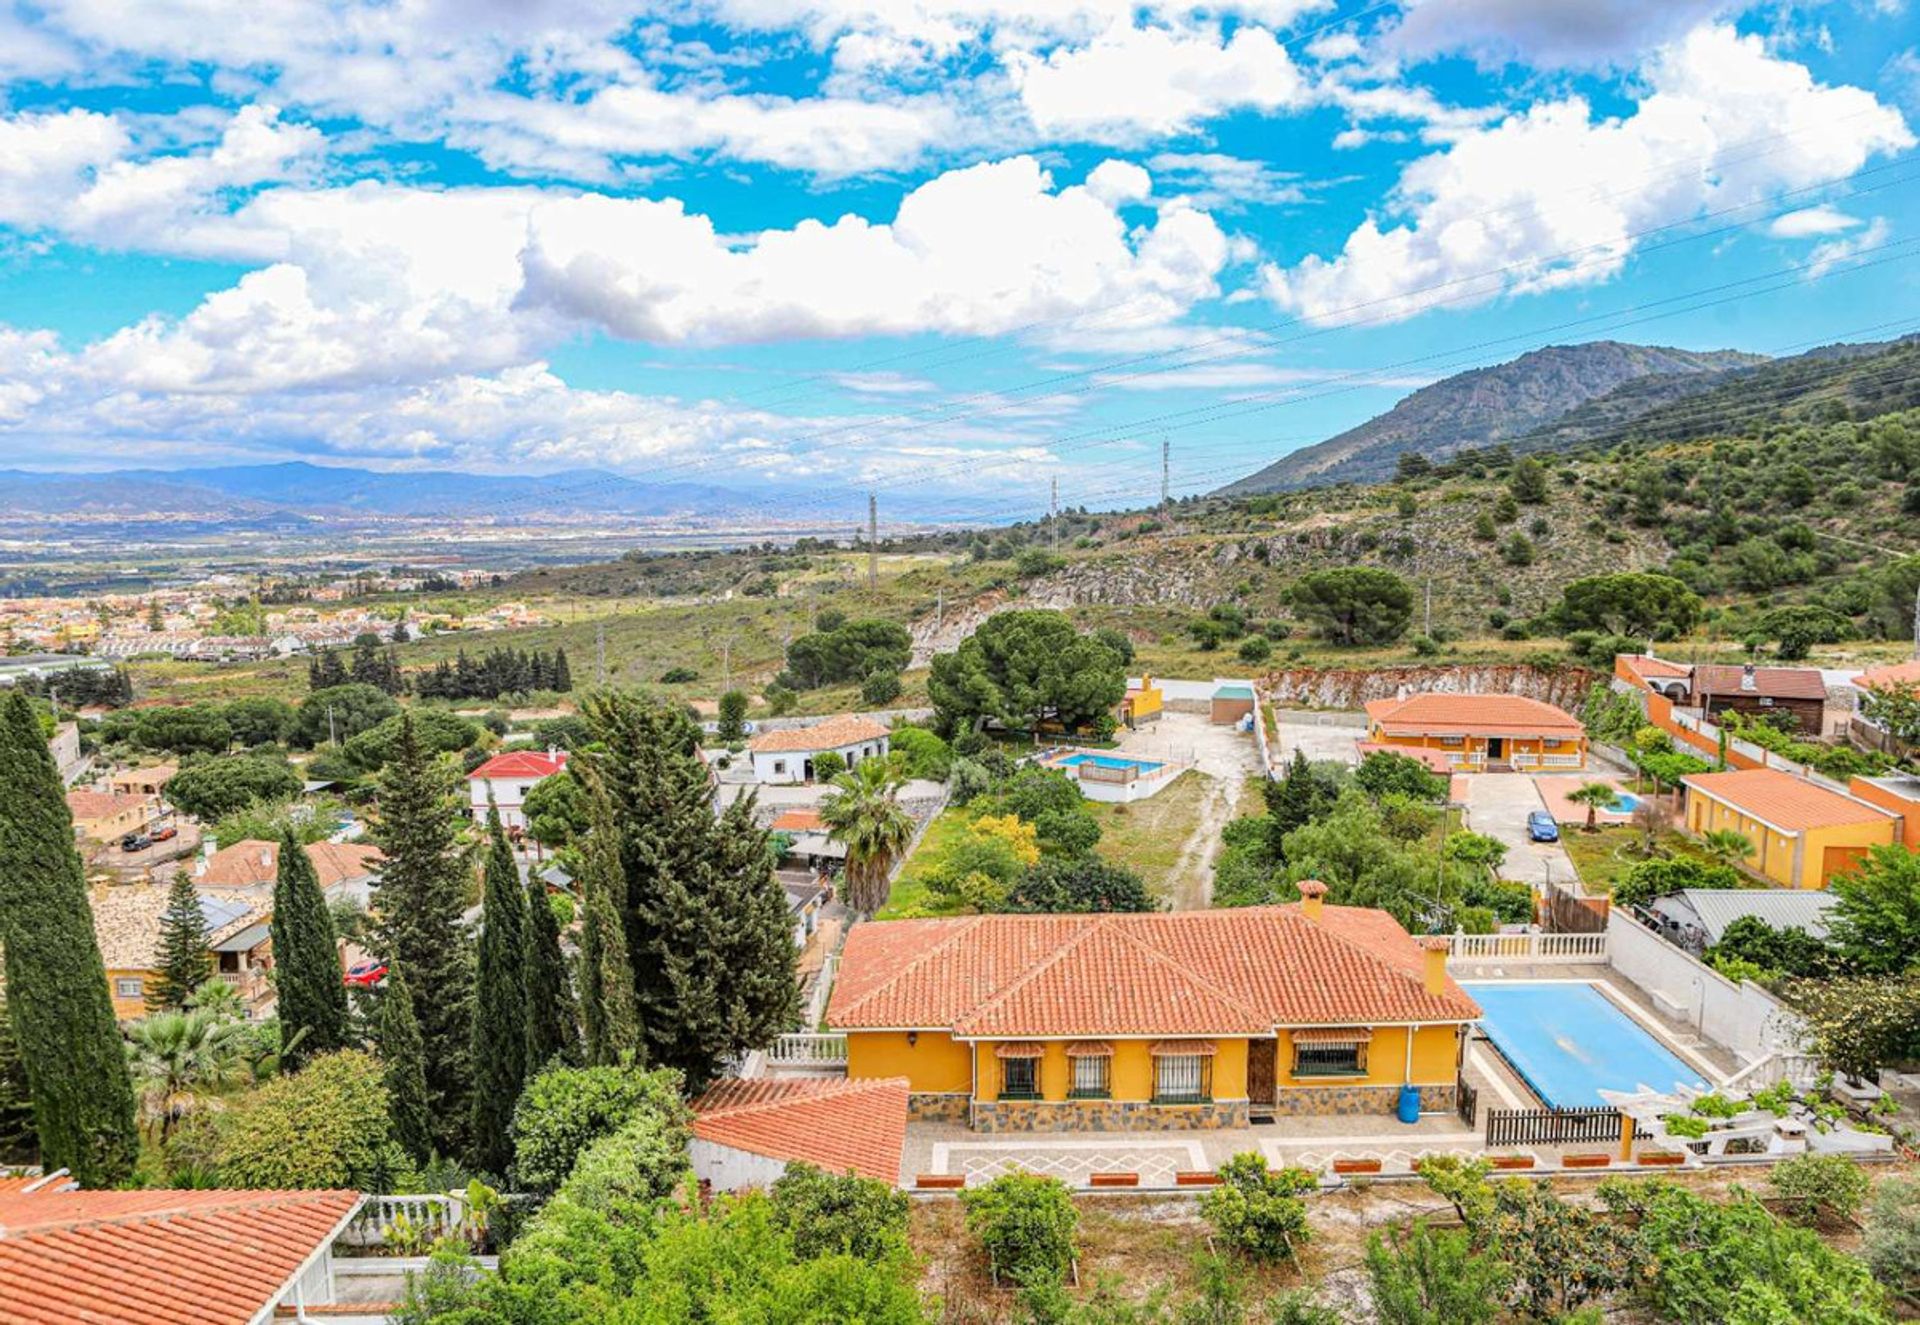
(126, 923)
(1477, 732)
(1143, 703)
(1802, 833)
(107, 816)
(1122, 1022)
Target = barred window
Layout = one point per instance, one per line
(1090, 1076)
(1019, 1078)
(1329, 1060)
(1179, 1078)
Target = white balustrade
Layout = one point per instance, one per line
(1527, 947)
(809, 1050)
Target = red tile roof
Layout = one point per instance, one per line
(1773, 682)
(520, 764)
(833, 734)
(86, 804)
(1789, 803)
(1646, 664)
(797, 821)
(1229, 972)
(833, 1124)
(1906, 673)
(1471, 715)
(157, 1257)
(254, 861)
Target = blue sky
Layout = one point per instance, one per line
(948, 250)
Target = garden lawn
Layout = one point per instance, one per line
(910, 895)
(1601, 857)
(1149, 836)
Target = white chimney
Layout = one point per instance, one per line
(1746, 677)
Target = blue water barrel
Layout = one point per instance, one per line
(1409, 1104)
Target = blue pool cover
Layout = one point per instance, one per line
(1108, 761)
(1569, 1043)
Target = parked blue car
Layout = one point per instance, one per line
(1542, 828)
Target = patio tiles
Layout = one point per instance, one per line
(1554, 791)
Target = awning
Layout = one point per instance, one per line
(1332, 1035)
(1183, 1048)
(1019, 1049)
(1090, 1049)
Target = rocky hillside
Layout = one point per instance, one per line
(1483, 406)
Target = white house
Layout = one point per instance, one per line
(786, 756)
(507, 778)
(746, 1131)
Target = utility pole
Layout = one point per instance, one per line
(873, 542)
(330, 740)
(1053, 516)
(1916, 623)
(1166, 478)
(726, 664)
(1428, 628)
(939, 608)
(600, 653)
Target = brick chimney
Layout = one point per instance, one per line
(1434, 973)
(1313, 895)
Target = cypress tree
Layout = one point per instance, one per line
(306, 960)
(706, 924)
(552, 1031)
(1294, 800)
(419, 893)
(606, 975)
(405, 1070)
(17, 1143)
(56, 983)
(185, 959)
(500, 1003)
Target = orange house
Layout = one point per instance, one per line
(1151, 1022)
(1802, 834)
(1478, 732)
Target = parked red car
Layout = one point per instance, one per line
(369, 972)
(164, 832)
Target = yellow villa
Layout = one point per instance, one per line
(1478, 732)
(1802, 834)
(1180, 1020)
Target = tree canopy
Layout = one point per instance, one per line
(1637, 603)
(214, 788)
(1354, 604)
(1022, 668)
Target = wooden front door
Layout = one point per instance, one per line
(1262, 1059)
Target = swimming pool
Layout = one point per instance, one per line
(1568, 1042)
(1624, 802)
(1110, 761)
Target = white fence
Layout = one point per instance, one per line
(1527, 947)
(425, 1218)
(1546, 761)
(1741, 1016)
(805, 1050)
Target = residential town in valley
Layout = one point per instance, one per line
(776, 664)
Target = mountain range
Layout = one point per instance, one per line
(1569, 396)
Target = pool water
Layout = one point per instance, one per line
(1109, 761)
(1568, 1042)
(1625, 803)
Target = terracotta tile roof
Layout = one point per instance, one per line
(1906, 673)
(1773, 682)
(797, 821)
(1471, 715)
(1229, 972)
(126, 920)
(520, 764)
(103, 804)
(253, 863)
(157, 1257)
(833, 1124)
(1648, 665)
(833, 734)
(1789, 803)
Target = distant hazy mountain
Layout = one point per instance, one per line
(252, 491)
(1487, 405)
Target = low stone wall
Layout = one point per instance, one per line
(1343, 1101)
(1105, 1116)
(926, 1107)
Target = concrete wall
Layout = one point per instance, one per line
(731, 1170)
(1742, 1017)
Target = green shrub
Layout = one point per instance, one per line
(678, 676)
(828, 1214)
(1026, 1224)
(1425, 1277)
(1820, 1187)
(323, 1126)
(1259, 1211)
(626, 1174)
(1255, 649)
(1892, 1244)
(828, 765)
(880, 688)
(564, 1110)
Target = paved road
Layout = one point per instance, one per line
(1498, 805)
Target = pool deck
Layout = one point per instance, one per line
(1555, 789)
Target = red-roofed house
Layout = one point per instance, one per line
(166, 1257)
(1477, 732)
(1129, 1022)
(507, 778)
(746, 1132)
(1760, 692)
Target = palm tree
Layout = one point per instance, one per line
(173, 1056)
(1596, 796)
(1725, 846)
(864, 815)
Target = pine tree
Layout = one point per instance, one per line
(405, 1072)
(500, 1003)
(56, 983)
(552, 1031)
(419, 894)
(606, 974)
(707, 932)
(1293, 801)
(185, 959)
(562, 673)
(306, 960)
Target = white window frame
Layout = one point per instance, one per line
(121, 987)
(1091, 1077)
(1180, 1077)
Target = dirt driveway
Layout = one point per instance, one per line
(1226, 757)
(1498, 805)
